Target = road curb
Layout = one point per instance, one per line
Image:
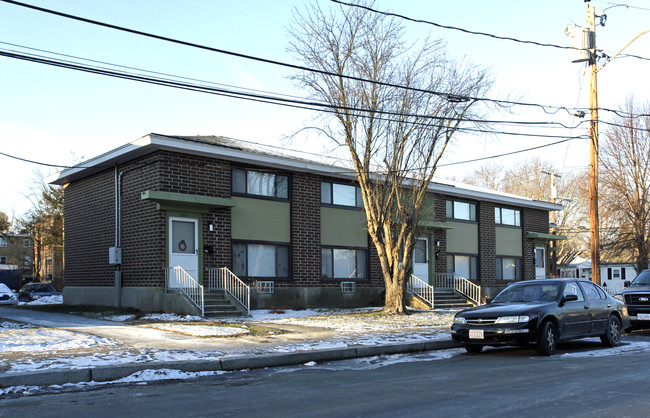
(117, 371)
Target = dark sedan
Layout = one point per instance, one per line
(541, 313)
(33, 291)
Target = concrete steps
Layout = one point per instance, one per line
(217, 305)
(448, 299)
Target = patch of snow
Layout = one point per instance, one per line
(34, 339)
(119, 318)
(149, 375)
(168, 317)
(203, 330)
(45, 300)
(626, 347)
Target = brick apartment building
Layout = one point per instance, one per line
(291, 227)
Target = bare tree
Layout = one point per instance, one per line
(5, 224)
(395, 135)
(625, 183)
(532, 179)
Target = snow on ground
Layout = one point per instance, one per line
(17, 337)
(202, 330)
(45, 300)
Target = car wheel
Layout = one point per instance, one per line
(547, 339)
(612, 337)
(473, 348)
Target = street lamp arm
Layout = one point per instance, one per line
(626, 45)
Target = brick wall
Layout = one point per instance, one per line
(440, 234)
(89, 210)
(486, 244)
(533, 220)
(305, 231)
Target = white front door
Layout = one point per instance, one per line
(540, 262)
(184, 246)
(421, 259)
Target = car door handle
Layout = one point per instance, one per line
(609, 305)
(586, 306)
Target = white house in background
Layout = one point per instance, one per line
(612, 275)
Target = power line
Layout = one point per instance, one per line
(450, 97)
(264, 98)
(470, 32)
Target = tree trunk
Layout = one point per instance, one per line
(394, 302)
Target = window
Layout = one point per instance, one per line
(260, 184)
(3, 242)
(3, 259)
(505, 216)
(340, 195)
(592, 292)
(572, 289)
(260, 260)
(27, 243)
(616, 273)
(28, 260)
(509, 268)
(344, 263)
(464, 265)
(461, 210)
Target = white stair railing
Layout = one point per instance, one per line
(467, 288)
(176, 278)
(224, 279)
(421, 289)
(445, 280)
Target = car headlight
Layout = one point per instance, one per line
(512, 319)
(459, 320)
(620, 297)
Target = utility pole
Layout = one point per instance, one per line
(593, 149)
(554, 199)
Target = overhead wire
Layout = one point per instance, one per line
(451, 97)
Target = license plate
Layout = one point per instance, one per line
(476, 334)
(643, 317)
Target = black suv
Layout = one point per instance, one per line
(636, 296)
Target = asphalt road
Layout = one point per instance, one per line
(506, 382)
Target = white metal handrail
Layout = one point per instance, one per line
(467, 288)
(421, 289)
(445, 280)
(224, 279)
(178, 278)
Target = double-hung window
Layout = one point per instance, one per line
(260, 260)
(464, 265)
(340, 195)
(344, 263)
(463, 211)
(505, 216)
(260, 183)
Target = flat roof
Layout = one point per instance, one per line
(269, 156)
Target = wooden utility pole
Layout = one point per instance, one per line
(593, 154)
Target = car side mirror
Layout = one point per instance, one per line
(626, 283)
(568, 298)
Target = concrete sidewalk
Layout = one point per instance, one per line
(229, 353)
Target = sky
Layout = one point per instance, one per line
(60, 117)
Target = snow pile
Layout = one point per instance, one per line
(168, 317)
(45, 300)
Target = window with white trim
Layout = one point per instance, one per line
(344, 263)
(506, 216)
(509, 268)
(260, 260)
(3, 242)
(463, 211)
(340, 195)
(259, 183)
(3, 259)
(27, 243)
(28, 260)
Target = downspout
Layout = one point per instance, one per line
(118, 238)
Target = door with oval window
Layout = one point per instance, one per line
(183, 246)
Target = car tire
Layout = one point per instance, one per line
(612, 337)
(473, 348)
(547, 339)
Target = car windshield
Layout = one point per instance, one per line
(4, 288)
(534, 292)
(43, 288)
(642, 280)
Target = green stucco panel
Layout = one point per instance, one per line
(462, 238)
(343, 227)
(260, 220)
(508, 241)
